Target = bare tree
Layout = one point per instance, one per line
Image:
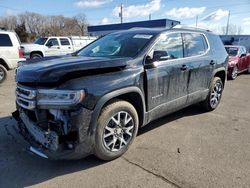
(232, 29)
(32, 25)
(81, 22)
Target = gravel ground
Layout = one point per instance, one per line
(186, 149)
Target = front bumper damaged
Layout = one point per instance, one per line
(53, 145)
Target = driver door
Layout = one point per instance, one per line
(167, 76)
(52, 47)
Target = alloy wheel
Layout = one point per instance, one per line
(235, 73)
(216, 94)
(2, 73)
(119, 131)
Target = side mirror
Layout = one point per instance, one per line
(160, 56)
(243, 55)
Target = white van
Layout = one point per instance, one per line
(10, 52)
(53, 46)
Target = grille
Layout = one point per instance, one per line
(26, 97)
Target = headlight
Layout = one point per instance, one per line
(59, 98)
(231, 63)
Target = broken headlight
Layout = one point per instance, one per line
(59, 98)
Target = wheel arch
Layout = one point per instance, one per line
(3, 62)
(37, 52)
(221, 73)
(132, 95)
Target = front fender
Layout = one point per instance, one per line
(107, 97)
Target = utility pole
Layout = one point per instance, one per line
(228, 18)
(149, 16)
(196, 21)
(121, 16)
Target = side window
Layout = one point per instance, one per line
(169, 47)
(52, 42)
(64, 42)
(194, 44)
(5, 40)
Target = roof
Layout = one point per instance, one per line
(155, 31)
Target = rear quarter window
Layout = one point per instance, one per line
(194, 44)
(5, 40)
(216, 45)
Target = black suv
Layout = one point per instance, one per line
(94, 101)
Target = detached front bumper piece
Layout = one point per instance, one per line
(51, 144)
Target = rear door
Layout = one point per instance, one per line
(167, 80)
(66, 47)
(200, 64)
(52, 47)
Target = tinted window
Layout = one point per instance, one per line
(169, 47)
(5, 40)
(53, 41)
(195, 44)
(64, 42)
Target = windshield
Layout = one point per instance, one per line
(41, 41)
(117, 45)
(232, 51)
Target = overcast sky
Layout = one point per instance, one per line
(211, 14)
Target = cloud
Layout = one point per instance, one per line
(138, 10)
(246, 21)
(91, 3)
(10, 12)
(185, 12)
(105, 21)
(216, 16)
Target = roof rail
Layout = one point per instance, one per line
(180, 26)
(137, 28)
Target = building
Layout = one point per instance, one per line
(242, 40)
(100, 30)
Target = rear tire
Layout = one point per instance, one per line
(116, 129)
(36, 56)
(3, 73)
(214, 95)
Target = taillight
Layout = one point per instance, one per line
(20, 53)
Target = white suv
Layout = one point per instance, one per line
(10, 52)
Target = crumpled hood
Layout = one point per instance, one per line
(52, 69)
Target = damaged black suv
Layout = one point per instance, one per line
(94, 101)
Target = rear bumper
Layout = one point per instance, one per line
(48, 145)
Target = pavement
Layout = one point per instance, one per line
(189, 148)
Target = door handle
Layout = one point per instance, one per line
(69, 47)
(212, 62)
(184, 67)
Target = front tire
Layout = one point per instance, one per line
(214, 96)
(234, 73)
(117, 128)
(3, 74)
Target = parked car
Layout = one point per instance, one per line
(10, 52)
(239, 60)
(94, 102)
(51, 46)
